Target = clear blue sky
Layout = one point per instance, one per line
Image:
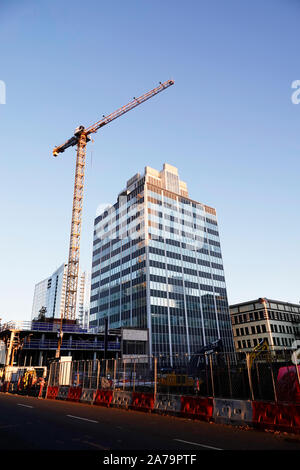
(228, 124)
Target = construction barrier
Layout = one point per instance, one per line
(88, 395)
(197, 407)
(103, 397)
(74, 393)
(142, 401)
(282, 417)
(63, 393)
(264, 414)
(232, 411)
(122, 399)
(52, 393)
(167, 403)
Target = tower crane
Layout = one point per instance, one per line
(81, 138)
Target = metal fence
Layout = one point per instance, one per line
(219, 375)
(112, 374)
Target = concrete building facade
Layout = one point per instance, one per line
(276, 321)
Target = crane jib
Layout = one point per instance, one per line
(119, 112)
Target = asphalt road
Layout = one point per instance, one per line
(35, 424)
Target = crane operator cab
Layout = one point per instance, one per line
(78, 130)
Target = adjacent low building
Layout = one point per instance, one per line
(276, 321)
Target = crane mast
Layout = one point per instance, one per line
(74, 246)
(80, 138)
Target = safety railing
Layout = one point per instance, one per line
(45, 326)
(67, 345)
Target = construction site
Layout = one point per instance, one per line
(53, 358)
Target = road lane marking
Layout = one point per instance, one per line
(98, 446)
(26, 406)
(200, 445)
(84, 419)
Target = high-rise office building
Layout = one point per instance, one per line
(157, 264)
(50, 294)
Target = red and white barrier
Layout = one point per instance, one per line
(258, 414)
(122, 399)
(63, 393)
(52, 393)
(232, 411)
(276, 416)
(167, 403)
(74, 394)
(88, 395)
(103, 397)
(142, 401)
(197, 407)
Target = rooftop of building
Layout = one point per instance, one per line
(270, 301)
(167, 179)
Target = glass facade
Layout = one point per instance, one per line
(51, 293)
(157, 264)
